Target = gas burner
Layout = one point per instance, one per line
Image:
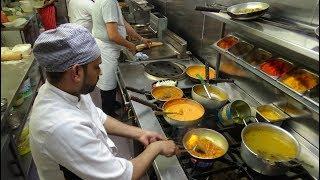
(161, 70)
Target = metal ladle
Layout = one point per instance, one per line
(206, 89)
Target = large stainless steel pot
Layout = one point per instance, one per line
(258, 163)
(219, 96)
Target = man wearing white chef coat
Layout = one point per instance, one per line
(68, 133)
(79, 12)
(110, 30)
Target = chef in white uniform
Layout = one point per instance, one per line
(110, 30)
(68, 133)
(79, 12)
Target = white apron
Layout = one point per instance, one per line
(109, 56)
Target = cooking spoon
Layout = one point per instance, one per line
(204, 86)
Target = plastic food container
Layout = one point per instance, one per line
(227, 42)
(25, 89)
(271, 114)
(276, 67)
(300, 80)
(14, 119)
(257, 57)
(240, 49)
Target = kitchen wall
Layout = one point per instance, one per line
(200, 32)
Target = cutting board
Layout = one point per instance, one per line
(140, 47)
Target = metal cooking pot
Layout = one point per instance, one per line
(198, 94)
(160, 93)
(214, 136)
(235, 11)
(234, 112)
(166, 105)
(255, 161)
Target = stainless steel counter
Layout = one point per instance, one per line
(12, 76)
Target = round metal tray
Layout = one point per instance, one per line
(160, 70)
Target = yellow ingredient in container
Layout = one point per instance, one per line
(270, 115)
(271, 145)
(300, 81)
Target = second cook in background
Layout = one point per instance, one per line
(79, 12)
(110, 30)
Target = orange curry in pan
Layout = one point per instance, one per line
(187, 109)
(203, 147)
(192, 71)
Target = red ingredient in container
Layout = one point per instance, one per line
(4, 18)
(275, 67)
(227, 42)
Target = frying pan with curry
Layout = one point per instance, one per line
(160, 93)
(205, 144)
(194, 70)
(243, 11)
(180, 112)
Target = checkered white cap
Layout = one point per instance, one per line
(58, 49)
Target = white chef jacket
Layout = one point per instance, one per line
(79, 12)
(105, 11)
(67, 131)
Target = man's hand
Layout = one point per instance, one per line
(167, 148)
(146, 41)
(132, 48)
(148, 137)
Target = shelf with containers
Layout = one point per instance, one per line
(20, 81)
(302, 43)
(288, 44)
(272, 68)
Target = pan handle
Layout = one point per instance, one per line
(244, 119)
(140, 91)
(208, 9)
(146, 103)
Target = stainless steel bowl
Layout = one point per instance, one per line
(219, 96)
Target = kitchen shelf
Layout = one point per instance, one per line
(26, 107)
(12, 76)
(301, 98)
(295, 41)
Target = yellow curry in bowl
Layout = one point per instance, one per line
(166, 93)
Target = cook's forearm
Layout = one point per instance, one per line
(121, 41)
(142, 162)
(114, 36)
(118, 128)
(131, 31)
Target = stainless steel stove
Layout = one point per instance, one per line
(183, 167)
(230, 166)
